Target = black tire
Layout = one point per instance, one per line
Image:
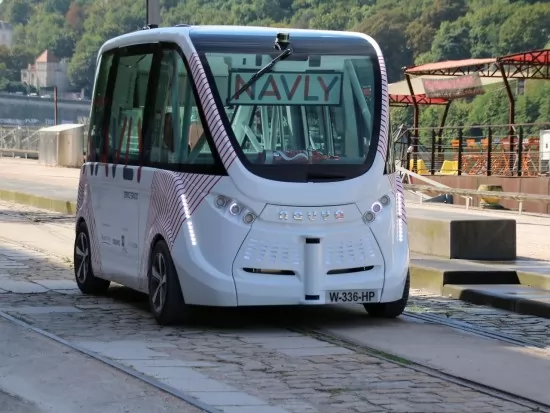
(166, 303)
(392, 309)
(87, 282)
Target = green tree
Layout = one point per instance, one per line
(419, 31)
(57, 6)
(11, 63)
(526, 29)
(452, 41)
(17, 11)
(485, 23)
(388, 29)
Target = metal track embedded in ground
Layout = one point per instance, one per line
(118, 366)
(535, 406)
(526, 402)
(463, 326)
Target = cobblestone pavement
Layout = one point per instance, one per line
(18, 263)
(294, 372)
(232, 351)
(23, 262)
(238, 357)
(521, 326)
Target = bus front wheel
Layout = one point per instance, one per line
(87, 282)
(165, 295)
(392, 309)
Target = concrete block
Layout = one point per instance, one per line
(458, 236)
(198, 385)
(286, 342)
(167, 362)
(21, 287)
(254, 409)
(40, 310)
(171, 373)
(57, 284)
(318, 351)
(123, 349)
(226, 398)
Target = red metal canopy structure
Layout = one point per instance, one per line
(526, 65)
(469, 74)
(534, 64)
(421, 99)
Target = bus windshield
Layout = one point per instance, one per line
(313, 116)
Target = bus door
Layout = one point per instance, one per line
(119, 194)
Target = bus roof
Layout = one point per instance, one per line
(140, 36)
(257, 30)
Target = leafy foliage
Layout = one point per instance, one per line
(409, 32)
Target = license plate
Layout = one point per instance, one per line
(357, 296)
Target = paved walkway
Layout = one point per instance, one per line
(37, 376)
(26, 175)
(239, 360)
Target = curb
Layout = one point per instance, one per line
(50, 204)
(434, 279)
(515, 304)
(461, 285)
(534, 280)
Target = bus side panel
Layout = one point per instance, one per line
(390, 230)
(116, 210)
(202, 241)
(85, 211)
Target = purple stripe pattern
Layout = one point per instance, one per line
(84, 210)
(401, 213)
(392, 180)
(384, 121)
(213, 118)
(174, 198)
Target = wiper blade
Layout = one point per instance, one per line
(286, 53)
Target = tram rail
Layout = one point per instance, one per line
(322, 335)
(350, 344)
(525, 402)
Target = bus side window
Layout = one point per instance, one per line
(96, 133)
(128, 103)
(179, 137)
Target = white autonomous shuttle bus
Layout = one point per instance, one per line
(242, 166)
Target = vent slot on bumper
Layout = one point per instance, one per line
(350, 270)
(269, 272)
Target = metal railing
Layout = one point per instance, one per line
(23, 141)
(19, 141)
(496, 150)
(419, 189)
(471, 193)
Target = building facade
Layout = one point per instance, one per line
(47, 71)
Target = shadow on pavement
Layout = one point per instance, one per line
(33, 217)
(14, 404)
(257, 317)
